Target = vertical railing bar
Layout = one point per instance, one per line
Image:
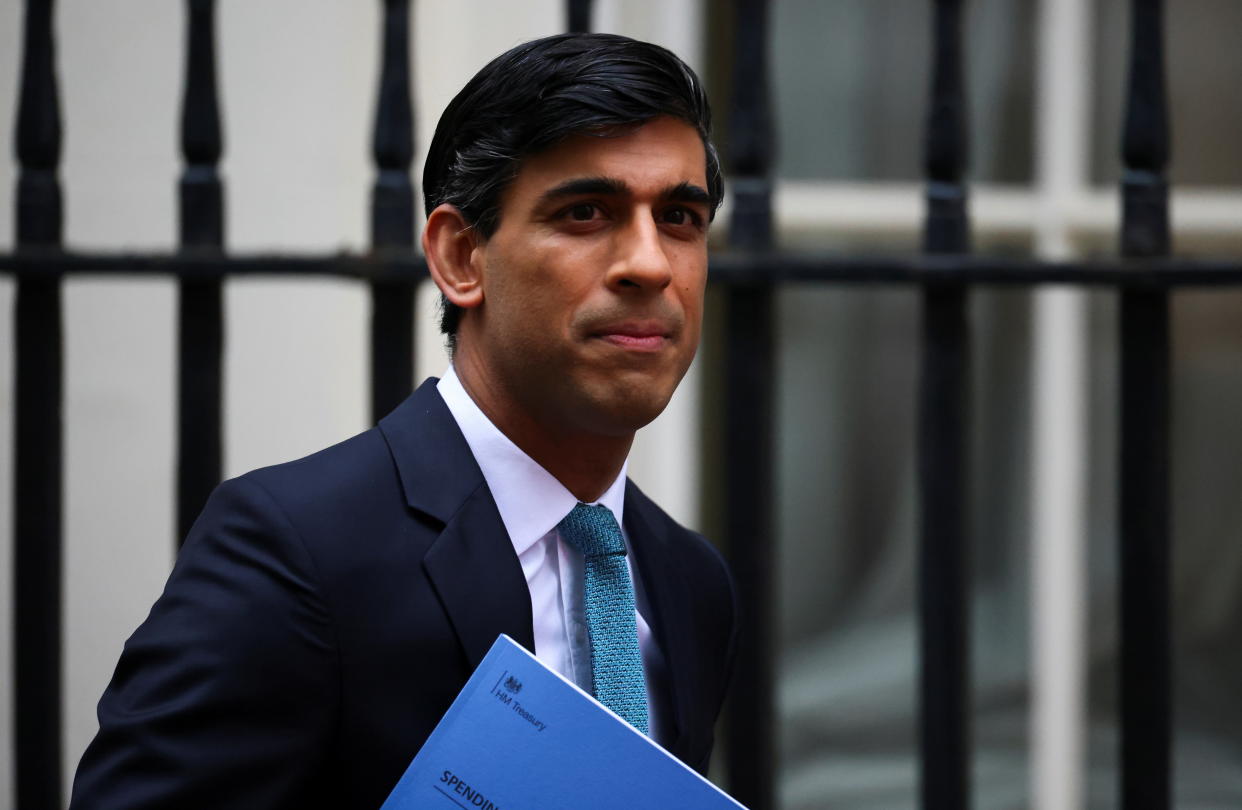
(748, 419)
(1146, 668)
(392, 216)
(944, 585)
(38, 437)
(200, 306)
(578, 16)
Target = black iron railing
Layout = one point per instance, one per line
(392, 218)
(1146, 638)
(944, 567)
(200, 336)
(748, 370)
(749, 271)
(38, 434)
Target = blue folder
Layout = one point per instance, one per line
(520, 736)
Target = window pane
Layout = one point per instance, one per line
(851, 79)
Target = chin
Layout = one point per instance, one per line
(630, 409)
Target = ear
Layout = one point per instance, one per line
(449, 244)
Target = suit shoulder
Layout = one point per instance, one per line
(334, 493)
(359, 464)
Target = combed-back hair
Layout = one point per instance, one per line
(536, 95)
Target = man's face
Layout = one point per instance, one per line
(593, 282)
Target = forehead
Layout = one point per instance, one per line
(648, 159)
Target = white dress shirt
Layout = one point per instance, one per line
(531, 504)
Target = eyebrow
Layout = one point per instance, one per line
(682, 192)
(688, 192)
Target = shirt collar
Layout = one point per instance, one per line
(530, 501)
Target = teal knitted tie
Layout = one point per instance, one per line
(616, 663)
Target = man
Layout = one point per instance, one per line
(323, 613)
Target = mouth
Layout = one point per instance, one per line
(639, 336)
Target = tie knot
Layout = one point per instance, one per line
(592, 530)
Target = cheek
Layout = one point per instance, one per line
(692, 287)
(547, 268)
(535, 308)
(515, 288)
(691, 260)
(561, 282)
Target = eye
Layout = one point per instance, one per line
(581, 212)
(680, 215)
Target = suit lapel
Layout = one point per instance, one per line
(471, 564)
(662, 579)
(479, 580)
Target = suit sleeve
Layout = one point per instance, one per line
(228, 694)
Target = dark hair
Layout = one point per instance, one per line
(537, 94)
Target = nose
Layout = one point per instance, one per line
(640, 260)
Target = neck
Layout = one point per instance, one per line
(585, 468)
(584, 463)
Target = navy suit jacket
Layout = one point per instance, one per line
(324, 613)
